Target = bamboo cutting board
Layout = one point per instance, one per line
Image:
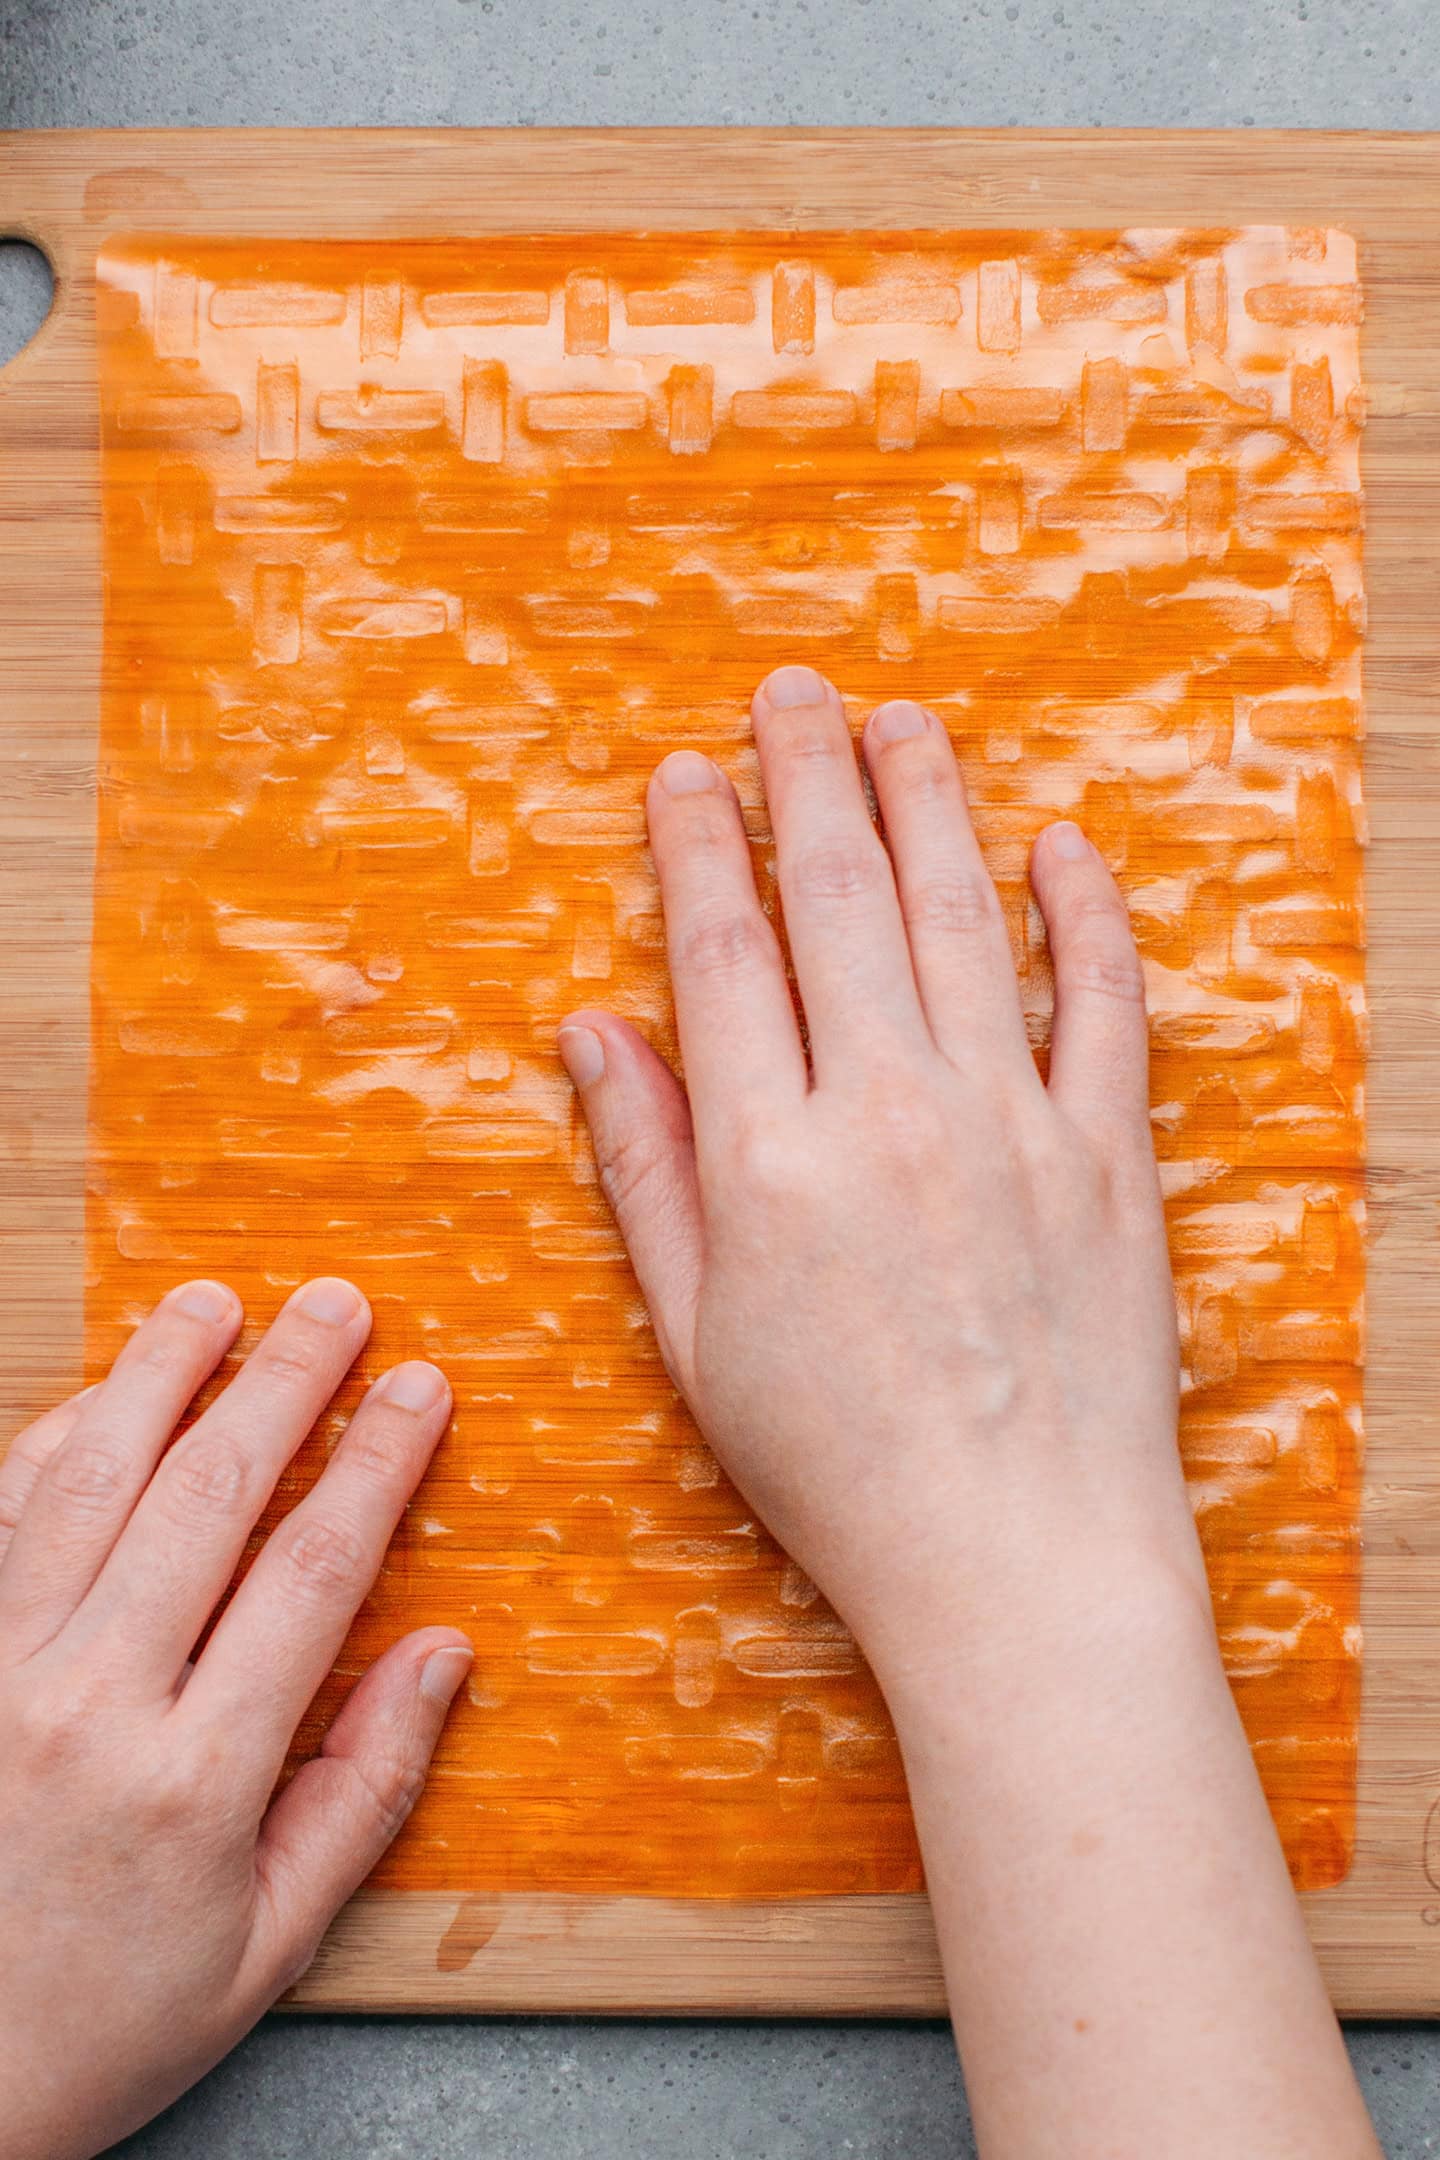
(1379, 1930)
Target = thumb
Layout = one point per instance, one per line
(645, 1150)
(340, 1811)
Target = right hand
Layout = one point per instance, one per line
(918, 1300)
(920, 1303)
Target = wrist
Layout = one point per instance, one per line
(1047, 1626)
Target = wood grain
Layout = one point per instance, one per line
(1379, 1932)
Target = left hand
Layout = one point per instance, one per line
(155, 1898)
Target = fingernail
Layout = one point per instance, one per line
(898, 720)
(1068, 842)
(417, 1386)
(443, 1673)
(794, 686)
(584, 1055)
(686, 772)
(329, 1299)
(206, 1301)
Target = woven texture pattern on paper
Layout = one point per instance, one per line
(418, 558)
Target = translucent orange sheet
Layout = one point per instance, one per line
(418, 558)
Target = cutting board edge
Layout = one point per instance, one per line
(347, 1976)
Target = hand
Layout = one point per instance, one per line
(918, 1300)
(154, 1898)
(919, 1303)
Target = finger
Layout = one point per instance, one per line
(89, 1488)
(1098, 1050)
(340, 1812)
(738, 1035)
(959, 946)
(842, 916)
(645, 1151)
(184, 1540)
(27, 1456)
(293, 1611)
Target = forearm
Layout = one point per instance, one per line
(1127, 1966)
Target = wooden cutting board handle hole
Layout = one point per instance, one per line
(27, 294)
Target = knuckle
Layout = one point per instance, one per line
(923, 777)
(292, 1358)
(19, 1472)
(1049, 1154)
(391, 1784)
(89, 1474)
(724, 944)
(707, 822)
(163, 1354)
(1099, 902)
(380, 1447)
(958, 906)
(30, 1450)
(1109, 971)
(803, 740)
(207, 1475)
(629, 1165)
(52, 1722)
(186, 1784)
(768, 1163)
(324, 1559)
(839, 871)
(907, 1126)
